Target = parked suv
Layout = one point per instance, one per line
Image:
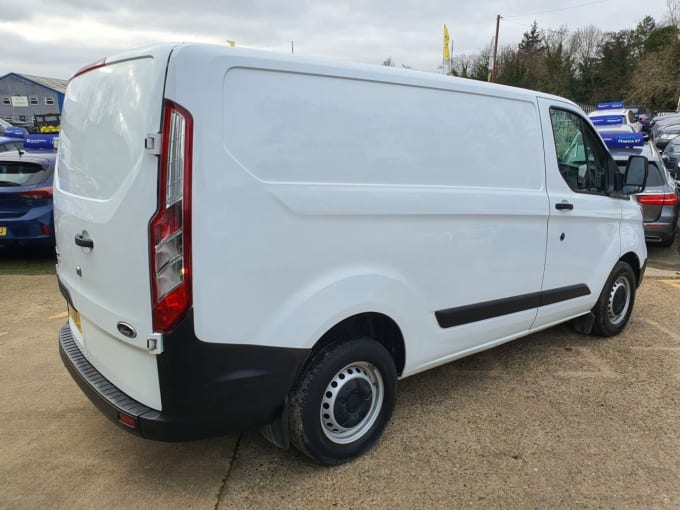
(671, 158)
(659, 199)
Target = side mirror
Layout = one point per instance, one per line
(645, 136)
(635, 178)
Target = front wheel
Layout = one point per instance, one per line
(343, 401)
(613, 308)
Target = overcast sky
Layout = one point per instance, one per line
(56, 37)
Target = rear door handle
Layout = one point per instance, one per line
(84, 242)
(564, 206)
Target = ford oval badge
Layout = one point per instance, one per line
(126, 330)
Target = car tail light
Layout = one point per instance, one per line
(170, 228)
(660, 199)
(37, 193)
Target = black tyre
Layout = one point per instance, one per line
(616, 301)
(343, 401)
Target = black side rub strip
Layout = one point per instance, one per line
(489, 309)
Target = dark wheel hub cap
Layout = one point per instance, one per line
(353, 403)
(619, 300)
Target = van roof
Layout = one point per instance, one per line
(344, 68)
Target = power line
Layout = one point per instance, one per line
(557, 10)
(515, 23)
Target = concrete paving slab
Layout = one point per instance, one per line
(58, 451)
(553, 420)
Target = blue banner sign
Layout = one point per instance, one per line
(611, 105)
(623, 140)
(15, 132)
(40, 142)
(607, 120)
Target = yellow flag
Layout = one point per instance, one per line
(231, 43)
(447, 53)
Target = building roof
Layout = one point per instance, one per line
(55, 84)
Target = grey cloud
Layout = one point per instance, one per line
(409, 31)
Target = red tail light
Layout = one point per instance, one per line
(170, 228)
(660, 199)
(37, 193)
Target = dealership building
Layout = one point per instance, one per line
(23, 95)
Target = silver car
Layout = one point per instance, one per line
(660, 199)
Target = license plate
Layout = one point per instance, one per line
(3, 231)
(75, 318)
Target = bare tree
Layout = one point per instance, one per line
(586, 43)
(388, 62)
(651, 83)
(673, 13)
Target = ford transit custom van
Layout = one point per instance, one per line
(252, 240)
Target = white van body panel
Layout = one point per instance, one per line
(305, 151)
(583, 243)
(106, 187)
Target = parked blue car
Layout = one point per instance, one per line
(26, 208)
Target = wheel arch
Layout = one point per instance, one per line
(634, 262)
(378, 326)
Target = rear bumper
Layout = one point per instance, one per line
(29, 228)
(206, 389)
(108, 399)
(664, 227)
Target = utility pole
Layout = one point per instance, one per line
(495, 49)
(292, 48)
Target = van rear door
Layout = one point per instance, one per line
(105, 194)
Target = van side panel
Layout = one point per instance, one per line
(319, 197)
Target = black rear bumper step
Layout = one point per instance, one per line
(206, 389)
(108, 399)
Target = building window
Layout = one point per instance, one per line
(49, 100)
(33, 100)
(6, 100)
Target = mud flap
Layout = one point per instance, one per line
(277, 432)
(584, 323)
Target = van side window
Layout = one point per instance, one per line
(581, 157)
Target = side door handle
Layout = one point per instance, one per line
(564, 206)
(83, 241)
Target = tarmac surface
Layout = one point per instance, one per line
(555, 419)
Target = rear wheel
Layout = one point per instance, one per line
(613, 308)
(343, 401)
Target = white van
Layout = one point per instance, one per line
(254, 240)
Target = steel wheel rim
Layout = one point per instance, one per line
(619, 300)
(358, 387)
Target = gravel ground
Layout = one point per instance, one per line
(552, 420)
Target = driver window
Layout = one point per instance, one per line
(581, 158)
